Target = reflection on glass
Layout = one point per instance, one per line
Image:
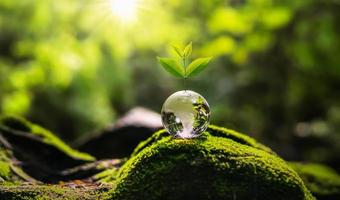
(186, 114)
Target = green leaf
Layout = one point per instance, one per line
(171, 66)
(197, 66)
(188, 50)
(178, 50)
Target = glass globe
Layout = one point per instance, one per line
(186, 114)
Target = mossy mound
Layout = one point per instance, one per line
(221, 164)
(322, 181)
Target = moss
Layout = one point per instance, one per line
(48, 137)
(321, 180)
(9, 172)
(4, 170)
(40, 192)
(214, 131)
(107, 176)
(221, 164)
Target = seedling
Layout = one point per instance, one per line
(180, 67)
(185, 114)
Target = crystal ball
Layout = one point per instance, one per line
(185, 114)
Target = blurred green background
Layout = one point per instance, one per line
(75, 66)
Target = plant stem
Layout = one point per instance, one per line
(184, 65)
(185, 83)
(185, 72)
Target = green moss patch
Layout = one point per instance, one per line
(321, 180)
(56, 192)
(4, 170)
(221, 164)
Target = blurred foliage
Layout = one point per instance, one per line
(73, 66)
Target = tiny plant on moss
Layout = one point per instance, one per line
(181, 67)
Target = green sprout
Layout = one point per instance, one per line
(181, 67)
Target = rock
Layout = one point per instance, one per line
(119, 140)
(322, 181)
(221, 164)
(35, 150)
(31, 156)
(140, 117)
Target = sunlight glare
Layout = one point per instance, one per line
(125, 10)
